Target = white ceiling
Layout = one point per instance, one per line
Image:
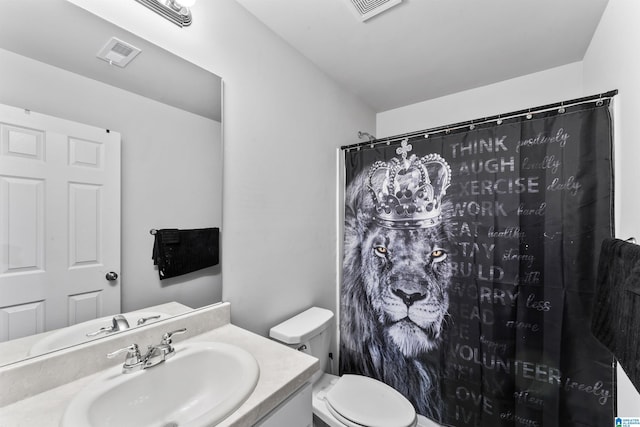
(419, 50)
(424, 49)
(72, 40)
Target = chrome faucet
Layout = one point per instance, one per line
(119, 323)
(155, 355)
(163, 351)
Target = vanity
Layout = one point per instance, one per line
(38, 391)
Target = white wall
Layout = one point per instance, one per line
(612, 62)
(283, 120)
(171, 175)
(545, 87)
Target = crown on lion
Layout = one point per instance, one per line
(408, 192)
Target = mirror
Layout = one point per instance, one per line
(168, 113)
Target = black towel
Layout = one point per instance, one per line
(616, 312)
(178, 252)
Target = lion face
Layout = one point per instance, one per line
(407, 273)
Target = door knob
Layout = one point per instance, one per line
(111, 276)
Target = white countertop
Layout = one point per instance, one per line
(282, 371)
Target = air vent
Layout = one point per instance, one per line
(117, 52)
(366, 9)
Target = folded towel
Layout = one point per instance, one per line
(178, 252)
(616, 311)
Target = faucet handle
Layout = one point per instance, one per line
(133, 353)
(143, 320)
(166, 338)
(101, 330)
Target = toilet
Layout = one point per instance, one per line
(349, 400)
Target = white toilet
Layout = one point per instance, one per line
(350, 400)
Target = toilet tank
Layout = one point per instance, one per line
(309, 332)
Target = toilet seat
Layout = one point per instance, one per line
(359, 401)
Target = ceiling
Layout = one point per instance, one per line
(424, 49)
(416, 51)
(72, 40)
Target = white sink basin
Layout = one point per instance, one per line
(77, 334)
(200, 385)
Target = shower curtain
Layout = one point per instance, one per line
(469, 269)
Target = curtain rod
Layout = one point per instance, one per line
(497, 118)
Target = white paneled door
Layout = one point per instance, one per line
(59, 222)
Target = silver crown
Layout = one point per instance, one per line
(408, 192)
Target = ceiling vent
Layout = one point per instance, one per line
(117, 52)
(366, 9)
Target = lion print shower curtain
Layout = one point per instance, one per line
(469, 270)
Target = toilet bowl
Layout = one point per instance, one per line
(350, 400)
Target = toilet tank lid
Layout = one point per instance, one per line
(303, 326)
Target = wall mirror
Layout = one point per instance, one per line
(167, 112)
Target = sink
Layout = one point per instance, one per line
(77, 334)
(203, 383)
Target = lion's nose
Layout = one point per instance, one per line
(409, 299)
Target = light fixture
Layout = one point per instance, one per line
(175, 11)
(366, 9)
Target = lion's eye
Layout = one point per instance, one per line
(438, 255)
(381, 251)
